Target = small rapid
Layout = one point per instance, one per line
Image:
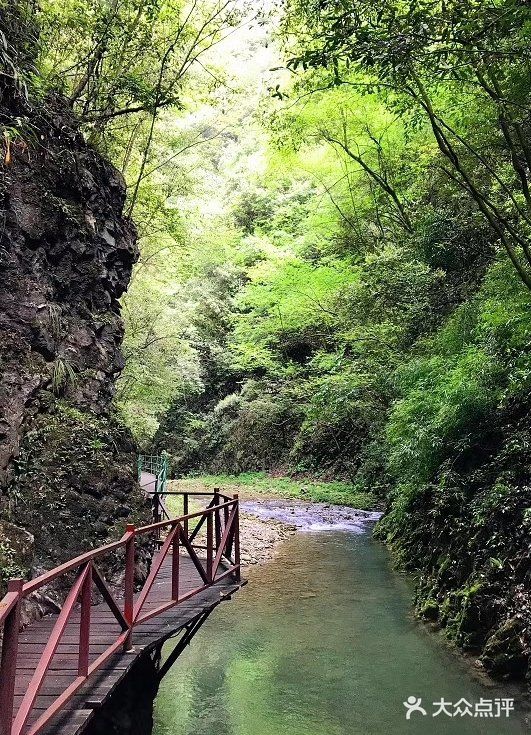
(312, 517)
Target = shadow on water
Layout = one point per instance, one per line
(321, 642)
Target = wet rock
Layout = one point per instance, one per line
(312, 516)
(264, 523)
(430, 610)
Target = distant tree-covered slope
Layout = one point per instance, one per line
(379, 328)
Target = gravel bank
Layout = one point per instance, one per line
(259, 538)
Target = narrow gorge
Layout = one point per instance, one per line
(276, 257)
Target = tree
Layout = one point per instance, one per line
(122, 62)
(462, 65)
(124, 57)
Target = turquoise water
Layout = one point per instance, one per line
(321, 642)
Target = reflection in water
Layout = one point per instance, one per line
(319, 643)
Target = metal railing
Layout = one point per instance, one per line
(218, 525)
(154, 464)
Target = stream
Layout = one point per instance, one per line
(322, 642)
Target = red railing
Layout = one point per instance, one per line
(216, 558)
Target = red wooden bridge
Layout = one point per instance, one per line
(57, 672)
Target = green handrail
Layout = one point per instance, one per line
(155, 464)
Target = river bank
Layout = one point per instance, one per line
(260, 539)
(256, 485)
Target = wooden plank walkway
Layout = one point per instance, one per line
(78, 712)
(148, 482)
(71, 662)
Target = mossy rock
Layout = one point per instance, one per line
(444, 610)
(76, 483)
(16, 552)
(504, 654)
(429, 610)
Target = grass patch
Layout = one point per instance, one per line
(250, 484)
(174, 503)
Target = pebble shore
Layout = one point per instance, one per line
(267, 521)
(259, 539)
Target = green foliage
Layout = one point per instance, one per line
(18, 42)
(460, 66)
(468, 372)
(287, 311)
(350, 253)
(258, 483)
(10, 568)
(445, 401)
(125, 57)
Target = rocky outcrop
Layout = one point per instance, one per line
(67, 468)
(66, 255)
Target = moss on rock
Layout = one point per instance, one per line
(506, 652)
(75, 482)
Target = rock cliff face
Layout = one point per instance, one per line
(66, 256)
(67, 468)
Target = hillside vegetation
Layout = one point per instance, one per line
(334, 213)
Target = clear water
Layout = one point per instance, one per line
(320, 642)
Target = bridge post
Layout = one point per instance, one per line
(217, 518)
(84, 626)
(175, 559)
(164, 470)
(129, 585)
(8, 664)
(156, 505)
(210, 543)
(186, 510)
(237, 574)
